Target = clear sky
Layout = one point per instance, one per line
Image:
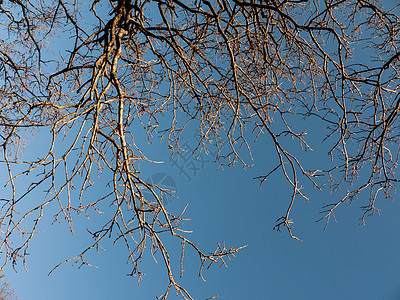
(345, 261)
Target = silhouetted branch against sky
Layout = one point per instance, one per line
(89, 77)
(6, 292)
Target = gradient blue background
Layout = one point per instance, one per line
(345, 261)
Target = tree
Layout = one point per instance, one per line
(237, 70)
(6, 293)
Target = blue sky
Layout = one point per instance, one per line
(345, 261)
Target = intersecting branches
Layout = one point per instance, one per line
(236, 69)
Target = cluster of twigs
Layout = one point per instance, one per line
(237, 69)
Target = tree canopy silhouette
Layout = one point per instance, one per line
(86, 77)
